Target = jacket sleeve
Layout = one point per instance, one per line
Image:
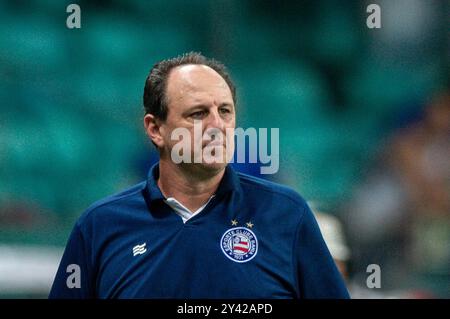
(74, 278)
(317, 274)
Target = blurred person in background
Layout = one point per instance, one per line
(399, 217)
(334, 236)
(421, 156)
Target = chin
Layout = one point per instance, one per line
(212, 167)
(206, 169)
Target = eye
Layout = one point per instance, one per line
(198, 114)
(225, 110)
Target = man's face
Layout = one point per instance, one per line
(196, 94)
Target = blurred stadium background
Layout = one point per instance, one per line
(364, 118)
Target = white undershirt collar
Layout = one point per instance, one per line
(182, 210)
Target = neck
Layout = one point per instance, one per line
(190, 185)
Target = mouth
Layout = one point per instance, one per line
(214, 144)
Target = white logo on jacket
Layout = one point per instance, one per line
(139, 249)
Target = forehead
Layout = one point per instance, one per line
(190, 81)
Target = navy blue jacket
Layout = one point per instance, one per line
(254, 239)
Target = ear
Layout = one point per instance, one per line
(153, 128)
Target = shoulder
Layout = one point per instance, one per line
(103, 208)
(258, 187)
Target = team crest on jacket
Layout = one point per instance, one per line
(239, 244)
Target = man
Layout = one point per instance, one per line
(196, 229)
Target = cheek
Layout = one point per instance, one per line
(185, 136)
(230, 141)
(166, 134)
(230, 129)
(232, 122)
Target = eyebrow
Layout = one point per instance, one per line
(203, 106)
